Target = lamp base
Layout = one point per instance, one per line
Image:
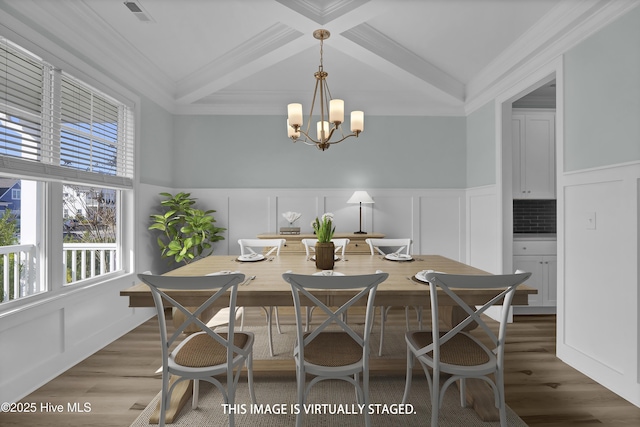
(359, 232)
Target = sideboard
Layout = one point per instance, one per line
(357, 244)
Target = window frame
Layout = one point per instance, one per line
(51, 176)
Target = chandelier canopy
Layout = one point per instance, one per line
(331, 112)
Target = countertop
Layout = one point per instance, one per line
(531, 236)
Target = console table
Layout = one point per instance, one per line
(357, 244)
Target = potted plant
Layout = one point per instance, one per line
(186, 232)
(325, 248)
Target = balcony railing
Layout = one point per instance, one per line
(86, 260)
(17, 263)
(81, 261)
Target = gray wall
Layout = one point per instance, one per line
(254, 152)
(156, 144)
(481, 147)
(602, 97)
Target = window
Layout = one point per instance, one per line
(68, 146)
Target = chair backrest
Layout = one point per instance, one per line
(247, 246)
(302, 286)
(309, 246)
(505, 286)
(340, 245)
(225, 287)
(401, 246)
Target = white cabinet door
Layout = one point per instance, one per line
(532, 264)
(550, 290)
(543, 269)
(533, 138)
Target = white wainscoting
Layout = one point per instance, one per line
(43, 340)
(434, 219)
(484, 229)
(598, 327)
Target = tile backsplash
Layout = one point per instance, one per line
(534, 216)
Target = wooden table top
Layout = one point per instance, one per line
(269, 289)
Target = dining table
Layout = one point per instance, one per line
(268, 288)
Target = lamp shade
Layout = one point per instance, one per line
(360, 197)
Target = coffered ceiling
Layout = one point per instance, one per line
(398, 57)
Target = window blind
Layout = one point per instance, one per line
(69, 129)
(21, 88)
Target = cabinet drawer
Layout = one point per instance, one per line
(358, 247)
(534, 247)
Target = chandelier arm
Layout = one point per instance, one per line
(324, 134)
(314, 142)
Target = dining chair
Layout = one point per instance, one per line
(459, 354)
(333, 349)
(309, 247)
(205, 354)
(271, 246)
(385, 247)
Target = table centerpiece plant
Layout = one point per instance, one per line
(324, 229)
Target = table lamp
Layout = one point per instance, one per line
(360, 197)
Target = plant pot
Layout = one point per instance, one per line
(324, 255)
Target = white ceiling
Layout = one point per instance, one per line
(400, 57)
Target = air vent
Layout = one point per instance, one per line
(136, 8)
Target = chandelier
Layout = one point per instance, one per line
(331, 112)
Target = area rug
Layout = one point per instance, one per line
(278, 395)
(333, 403)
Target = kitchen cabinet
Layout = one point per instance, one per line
(539, 258)
(533, 140)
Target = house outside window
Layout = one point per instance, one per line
(66, 145)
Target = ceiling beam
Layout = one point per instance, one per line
(388, 54)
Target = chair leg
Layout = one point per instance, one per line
(384, 314)
(435, 397)
(164, 399)
(365, 396)
(269, 331)
(501, 399)
(196, 393)
(268, 312)
(406, 317)
(463, 392)
(249, 362)
(300, 379)
(277, 320)
(409, 375)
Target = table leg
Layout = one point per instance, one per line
(180, 396)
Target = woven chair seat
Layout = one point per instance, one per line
(201, 350)
(459, 350)
(333, 349)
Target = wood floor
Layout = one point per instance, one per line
(118, 382)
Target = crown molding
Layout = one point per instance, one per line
(134, 71)
(564, 27)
